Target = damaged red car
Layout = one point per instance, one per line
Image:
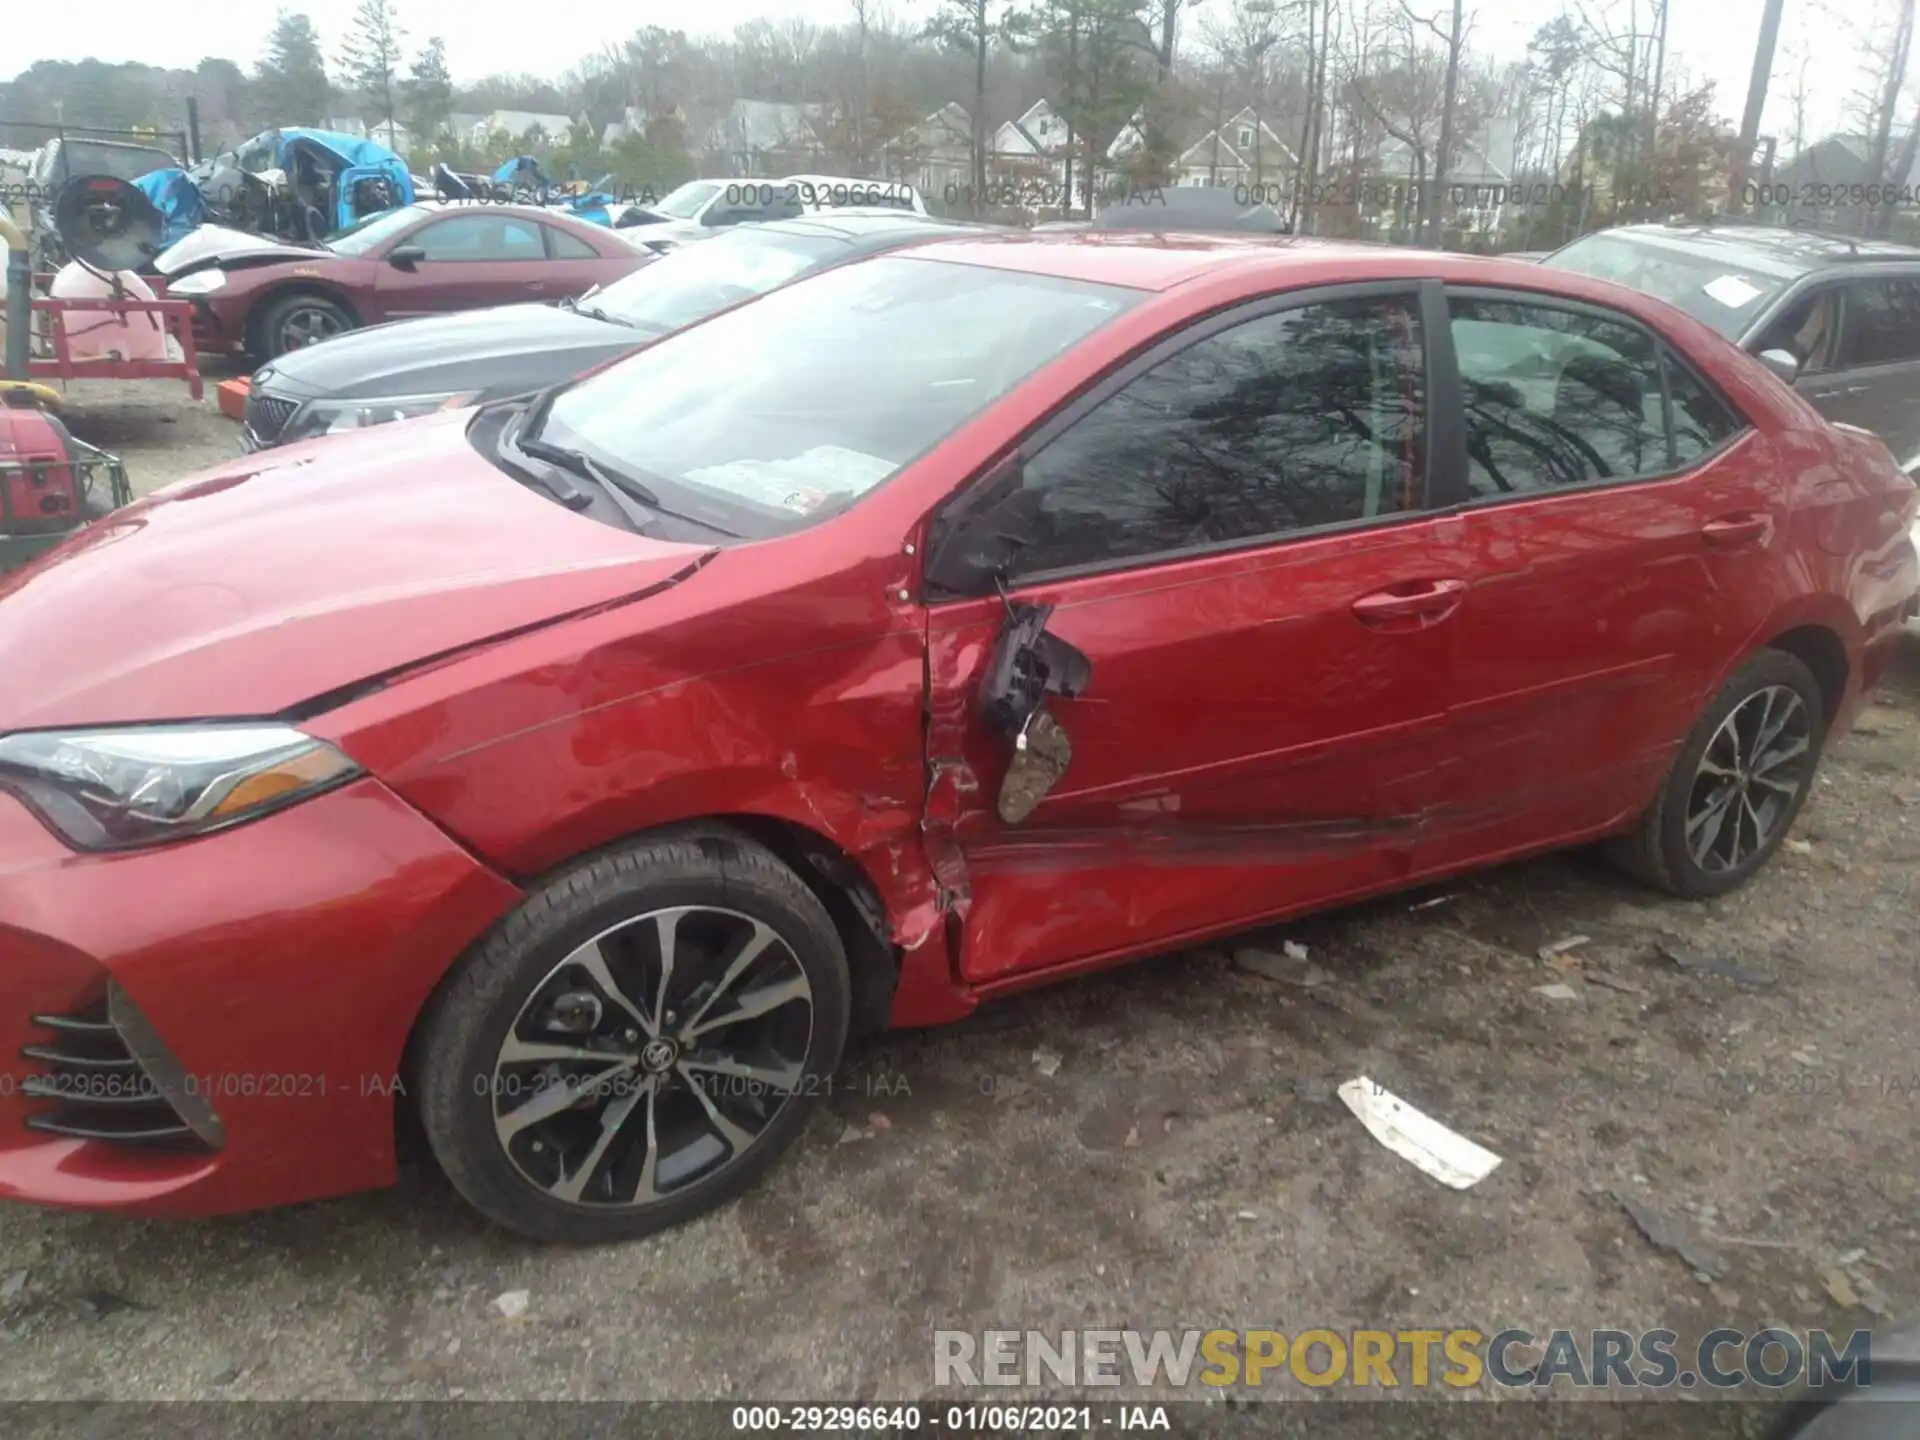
(264, 297)
(574, 776)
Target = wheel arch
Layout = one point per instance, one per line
(1820, 648)
(852, 900)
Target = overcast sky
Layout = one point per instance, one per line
(1713, 39)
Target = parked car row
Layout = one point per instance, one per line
(599, 757)
(389, 372)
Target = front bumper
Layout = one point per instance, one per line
(281, 965)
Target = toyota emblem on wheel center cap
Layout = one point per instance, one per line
(658, 1056)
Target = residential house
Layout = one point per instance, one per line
(518, 125)
(1845, 161)
(1032, 156)
(935, 156)
(394, 136)
(1479, 177)
(633, 123)
(1246, 153)
(1831, 181)
(764, 137)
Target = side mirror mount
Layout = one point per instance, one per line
(974, 546)
(1028, 665)
(1782, 363)
(405, 257)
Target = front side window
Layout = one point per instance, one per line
(480, 236)
(1555, 398)
(784, 410)
(1293, 421)
(1809, 331)
(364, 235)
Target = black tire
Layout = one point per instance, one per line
(494, 994)
(1656, 850)
(284, 322)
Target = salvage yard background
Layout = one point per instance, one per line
(1160, 1146)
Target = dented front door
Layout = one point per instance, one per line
(1245, 745)
(1255, 615)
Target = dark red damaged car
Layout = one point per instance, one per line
(266, 297)
(949, 622)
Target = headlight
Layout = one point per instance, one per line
(201, 282)
(120, 788)
(330, 417)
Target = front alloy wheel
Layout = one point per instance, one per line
(637, 1043)
(653, 1057)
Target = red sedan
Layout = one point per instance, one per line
(579, 774)
(265, 297)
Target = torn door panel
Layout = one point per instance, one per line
(1244, 746)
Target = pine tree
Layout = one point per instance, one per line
(370, 59)
(430, 90)
(292, 75)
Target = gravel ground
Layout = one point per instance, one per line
(1157, 1146)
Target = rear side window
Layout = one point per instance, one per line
(1882, 323)
(563, 246)
(1701, 420)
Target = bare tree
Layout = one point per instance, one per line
(1453, 39)
(1892, 77)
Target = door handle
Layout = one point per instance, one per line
(1734, 530)
(1428, 601)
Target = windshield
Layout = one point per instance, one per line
(691, 284)
(78, 157)
(810, 397)
(685, 203)
(359, 238)
(1721, 293)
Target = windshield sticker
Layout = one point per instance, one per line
(1731, 291)
(801, 483)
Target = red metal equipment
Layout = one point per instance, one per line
(174, 316)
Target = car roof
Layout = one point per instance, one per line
(1161, 262)
(1156, 261)
(489, 207)
(859, 224)
(1772, 250)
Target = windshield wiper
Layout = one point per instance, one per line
(621, 488)
(584, 465)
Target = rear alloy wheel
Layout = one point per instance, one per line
(1737, 784)
(638, 1043)
(299, 321)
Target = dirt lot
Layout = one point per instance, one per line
(1185, 1163)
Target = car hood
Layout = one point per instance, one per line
(679, 232)
(216, 244)
(451, 350)
(279, 578)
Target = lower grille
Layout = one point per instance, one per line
(267, 416)
(106, 1077)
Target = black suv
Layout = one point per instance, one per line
(1838, 317)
